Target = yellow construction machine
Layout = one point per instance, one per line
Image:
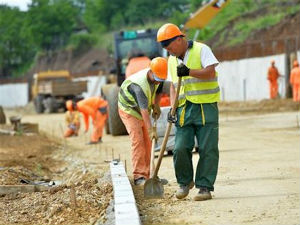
(50, 90)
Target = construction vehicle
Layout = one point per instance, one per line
(51, 89)
(126, 42)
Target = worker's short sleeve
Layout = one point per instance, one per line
(139, 96)
(159, 90)
(207, 57)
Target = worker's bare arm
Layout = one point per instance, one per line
(146, 118)
(172, 94)
(205, 73)
(157, 99)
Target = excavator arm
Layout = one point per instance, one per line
(205, 14)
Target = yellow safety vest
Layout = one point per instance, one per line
(195, 90)
(127, 102)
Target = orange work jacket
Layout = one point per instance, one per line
(273, 74)
(295, 76)
(89, 107)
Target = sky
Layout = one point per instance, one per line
(22, 4)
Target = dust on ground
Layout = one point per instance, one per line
(40, 159)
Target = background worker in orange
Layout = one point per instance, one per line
(73, 123)
(295, 81)
(272, 77)
(138, 94)
(96, 108)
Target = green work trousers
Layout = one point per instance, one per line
(200, 121)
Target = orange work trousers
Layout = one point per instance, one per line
(140, 145)
(98, 126)
(70, 132)
(296, 92)
(273, 89)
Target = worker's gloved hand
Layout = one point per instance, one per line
(153, 133)
(183, 70)
(156, 111)
(170, 118)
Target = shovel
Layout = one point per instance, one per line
(152, 165)
(153, 187)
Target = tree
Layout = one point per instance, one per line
(51, 22)
(16, 49)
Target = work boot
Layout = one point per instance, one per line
(140, 181)
(203, 194)
(100, 140)
(184, 190)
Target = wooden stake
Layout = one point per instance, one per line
(73, 197)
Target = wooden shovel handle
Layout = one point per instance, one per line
(168, 130)
(152, 165)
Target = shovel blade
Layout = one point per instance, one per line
(153, 188)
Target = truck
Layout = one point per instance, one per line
(51, 89)
(124, 43)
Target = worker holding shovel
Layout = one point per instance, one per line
(138, 94)
(197, 112)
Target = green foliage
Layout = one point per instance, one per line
(82, 42)
(113, 14)
(16, 49)
(242, 17)
(51, 22)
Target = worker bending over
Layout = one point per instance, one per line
(295, 81)
(138, 94)
(96, 108)
(197, 112)
(273, 75)
(72, 119)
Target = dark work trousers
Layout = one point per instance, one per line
(202, 121)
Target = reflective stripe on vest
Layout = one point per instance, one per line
(126, 101)
(193, 89)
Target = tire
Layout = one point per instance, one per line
(38, 104)
(50, 104)
(116, 126)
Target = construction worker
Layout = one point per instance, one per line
(137, 95)
(272, 77)
(96, 108)
(197, 112)
(72, 119)
(295, 81)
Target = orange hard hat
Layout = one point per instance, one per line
(168, 31)
(295, 63)
(69, 105)
(159, 66)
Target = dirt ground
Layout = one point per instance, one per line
(81, 196)
(257, 183)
